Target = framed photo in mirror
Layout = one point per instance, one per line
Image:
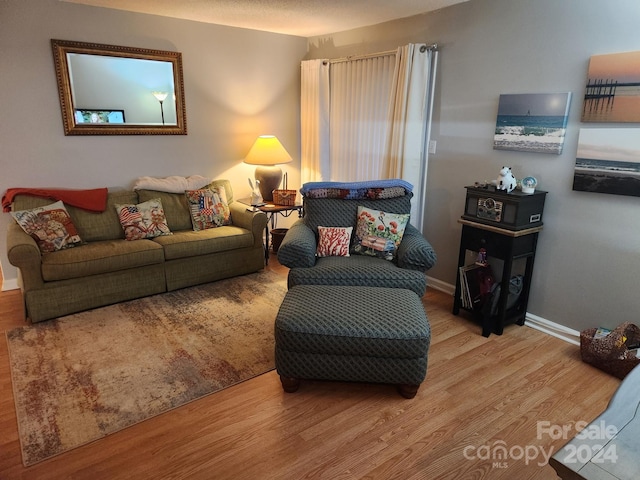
(99, 116)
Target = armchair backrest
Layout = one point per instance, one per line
(338, 212)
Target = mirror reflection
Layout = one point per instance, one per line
(107, 89)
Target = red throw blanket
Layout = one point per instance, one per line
(94, 200)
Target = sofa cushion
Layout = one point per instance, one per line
(227, 188)
(144, 220)
(378, 234)
(336, 212)
(91, 226)
(50, 226)
(100, 257)
(191, 244)
(334, 241)
(208, 208)
(176, 207)
(359, 270)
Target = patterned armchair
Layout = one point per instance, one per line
(332, 204)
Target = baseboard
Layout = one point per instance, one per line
(441, 286)
(533, 321)
(555, 329)
(10, 284)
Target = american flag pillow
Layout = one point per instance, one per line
(208, 207)
(144, 220)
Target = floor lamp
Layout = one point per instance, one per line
(267, 153)
(160, 96)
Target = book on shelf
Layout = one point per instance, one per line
(476, 281)
(464, 289)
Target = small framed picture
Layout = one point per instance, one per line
(99, 116)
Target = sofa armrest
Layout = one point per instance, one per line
(415, 252)
(23, 253)
(298, 248)
(247, 219)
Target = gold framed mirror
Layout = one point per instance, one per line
(115, 90)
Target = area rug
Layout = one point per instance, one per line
(84, 376)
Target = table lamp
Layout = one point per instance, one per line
(267, 153)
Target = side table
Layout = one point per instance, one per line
(505, 245)
(272, 210)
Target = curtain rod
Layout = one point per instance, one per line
(362, 57)
(423, 48)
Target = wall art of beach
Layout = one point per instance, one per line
(612, 92)
(608, 161)
(532, 122)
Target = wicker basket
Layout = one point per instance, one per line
(284, 197)
(610, 353)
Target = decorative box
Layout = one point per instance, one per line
(284, 197)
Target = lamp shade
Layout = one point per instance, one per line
(160, 96)
(267, 152)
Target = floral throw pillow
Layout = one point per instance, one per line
(379, 233)
(209, 208)
(334, 241)
(144, 220)
(50, 226)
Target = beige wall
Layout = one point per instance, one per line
(238, 84)
(586, 271)
(241, 83)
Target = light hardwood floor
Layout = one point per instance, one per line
(479, 393)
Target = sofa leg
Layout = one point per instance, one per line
(289, 384)
(408, 391)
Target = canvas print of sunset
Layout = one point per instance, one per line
(608, 161)
(612, 92)
(532, 122)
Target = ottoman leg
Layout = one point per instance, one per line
(289, 384)
(408, 391)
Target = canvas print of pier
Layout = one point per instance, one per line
(608, 161)
(532, 122)
(612, 92)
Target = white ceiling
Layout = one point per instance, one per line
(292, 17)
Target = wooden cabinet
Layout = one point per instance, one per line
(511, 247)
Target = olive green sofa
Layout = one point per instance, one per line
(108, 269)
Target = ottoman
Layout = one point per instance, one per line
(352, 333)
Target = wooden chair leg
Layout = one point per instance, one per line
(289, 384)
(408, 391)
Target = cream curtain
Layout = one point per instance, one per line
(314, 121)
(359, 105)
(409, 122)
(369, 118)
